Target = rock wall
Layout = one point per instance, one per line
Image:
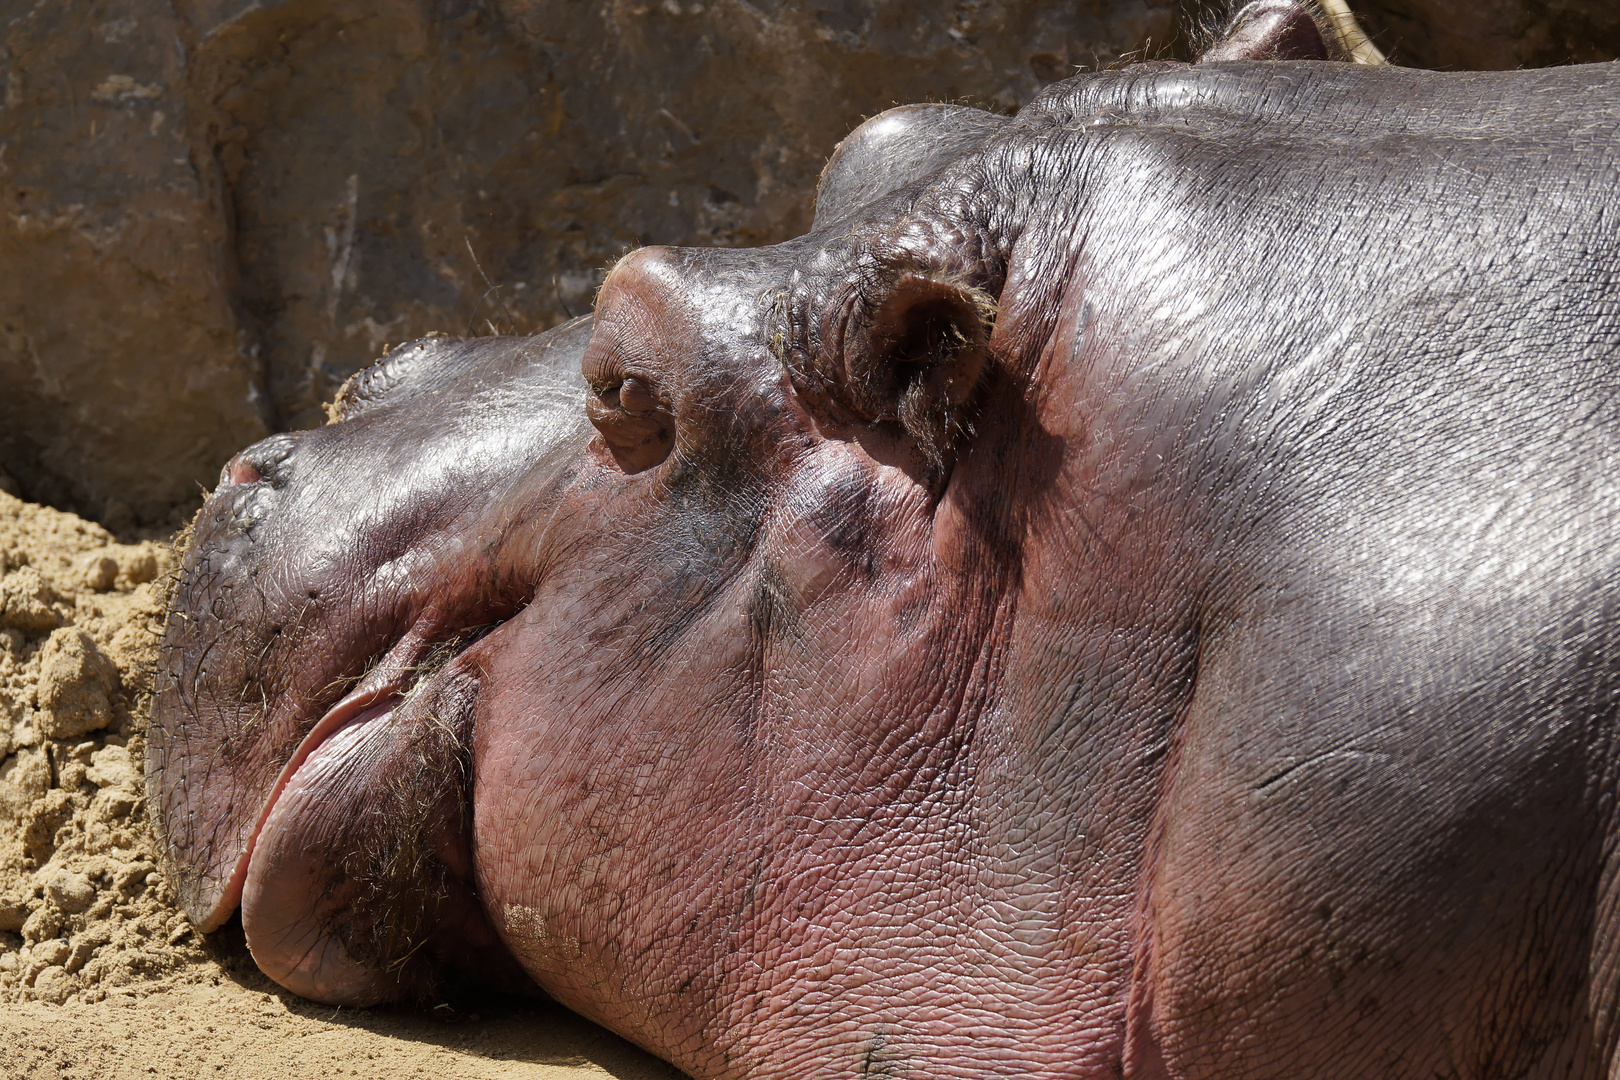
(212, 211)
(1478, 35)
(215, 210)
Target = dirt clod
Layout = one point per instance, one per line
(76, 685)
(71, 892)
(27, 603)
(98, 571)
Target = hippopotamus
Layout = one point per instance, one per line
(1133, 591)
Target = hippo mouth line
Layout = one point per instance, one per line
(368, 704)
(416, 659)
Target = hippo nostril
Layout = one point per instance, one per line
(265, 462)
(237, 471)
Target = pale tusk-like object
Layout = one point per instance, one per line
(1351, 38)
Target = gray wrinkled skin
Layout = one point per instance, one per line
(1130, 593)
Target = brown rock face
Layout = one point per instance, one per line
(122, 367)
(398, 167)
(1472, 35)
(212, 211)
(215, 210)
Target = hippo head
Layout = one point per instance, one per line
(1025, 625)
(340, 621)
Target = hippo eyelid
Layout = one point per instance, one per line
(640, 431)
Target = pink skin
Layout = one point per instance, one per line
(380, 686)
(286, 867)
(360, 866)
(240, 471)
(353, 710)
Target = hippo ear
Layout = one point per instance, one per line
(1292, 30)
(1270, 30)
(918, 357)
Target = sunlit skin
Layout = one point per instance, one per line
(1129, 593)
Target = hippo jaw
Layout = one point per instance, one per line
(382, 780)
(287, 943)
(212, 894)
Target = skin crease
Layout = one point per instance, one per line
(1227, 694)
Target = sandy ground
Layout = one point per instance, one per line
(234, 1031)
(100, 973)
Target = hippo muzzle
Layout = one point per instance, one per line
(309, 750)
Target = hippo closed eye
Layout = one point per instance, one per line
(1132, 592)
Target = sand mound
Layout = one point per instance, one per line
(84, 911)
(100, 973)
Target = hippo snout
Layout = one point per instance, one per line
(317, 665)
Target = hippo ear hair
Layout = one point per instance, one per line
(918, 357)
